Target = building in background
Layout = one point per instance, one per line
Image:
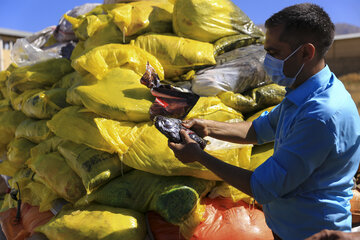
(344, 55)
(7, 40)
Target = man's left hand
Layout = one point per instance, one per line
(188, 151)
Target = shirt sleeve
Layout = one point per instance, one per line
(303, 150)
(265, 125)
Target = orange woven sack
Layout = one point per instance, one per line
(226, 220)
(24, 228)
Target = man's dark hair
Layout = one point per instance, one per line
(304, 23)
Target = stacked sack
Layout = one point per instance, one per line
(75, 125)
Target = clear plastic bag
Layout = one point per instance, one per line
(237, 71)
(27, 51)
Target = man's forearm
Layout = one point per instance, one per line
(235, 176)
(240, 132)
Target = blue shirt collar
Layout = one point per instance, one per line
(300, 94)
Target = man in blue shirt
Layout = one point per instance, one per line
(305, 186)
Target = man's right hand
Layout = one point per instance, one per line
(199, 126)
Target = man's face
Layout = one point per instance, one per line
(281, 50)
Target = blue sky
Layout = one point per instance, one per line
(35, 15)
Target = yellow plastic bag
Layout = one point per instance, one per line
(224, 189)
(174, 198)
(119, 95)
(17, 100)
(212, 108)
(47, 146)
(44, 104)
(71, 97)
(41, 75)
(260, 153)
(257, 114)
(100, 60)
(7, 168)
(176, 54)
(32, 191)
(4, 75)
(106, 35)
(94, 167)
(67, 81)
(33, 130)
(54, 171)
(209, 21)
(85, 26)
(5, 105)
(137, 18)
(77, 124)
(95, 222)
(9, 121)
(19, 151)
(143, 147)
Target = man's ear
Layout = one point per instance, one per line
(309, 52)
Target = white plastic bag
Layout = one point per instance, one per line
(24, 53)
(238, 70)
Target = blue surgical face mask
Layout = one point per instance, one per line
(275, 69)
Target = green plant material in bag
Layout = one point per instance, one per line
(77, 124)
(9, 122)
(33, 130)
(142, 146)
(32, 191)
(268, 95)
(95, 222)
(54, 171)
(174, 198)
(44, 104)
(41, 75)
(176, 54)
(100, 60)
(209, 21)
(229, 43)
(238, 101)
(19, 151)
(119, 95)
(255, 99)
(94, 167)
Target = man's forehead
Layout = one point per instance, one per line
(272, 39)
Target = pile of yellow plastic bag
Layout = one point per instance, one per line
(79, 129)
